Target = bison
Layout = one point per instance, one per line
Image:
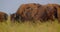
(33, 11)
(3, 17)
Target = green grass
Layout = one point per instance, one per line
(30, 27)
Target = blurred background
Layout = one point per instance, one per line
(11, 6)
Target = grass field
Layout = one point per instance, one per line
(30, 27)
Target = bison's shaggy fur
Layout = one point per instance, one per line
(33, 11)
(3, 16)
(27, 11)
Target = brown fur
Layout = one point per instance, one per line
(40, 14)
(27, 11)
(33, 11)
(3, 16)
(51, 10)
(58, 11)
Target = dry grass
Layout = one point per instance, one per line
(29, 27)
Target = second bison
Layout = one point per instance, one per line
(3, 17)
